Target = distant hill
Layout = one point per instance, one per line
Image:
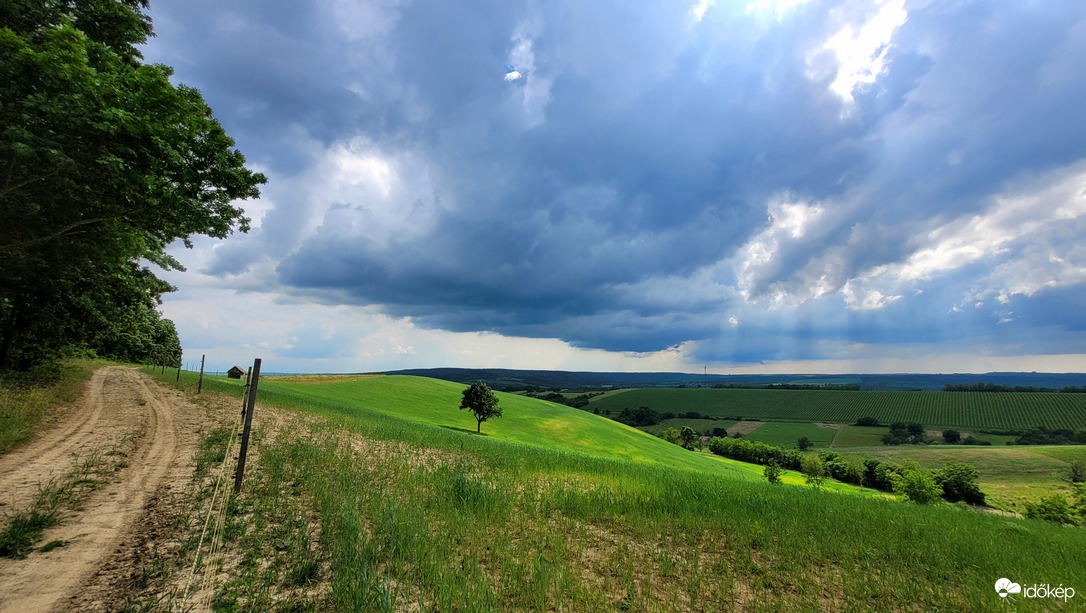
(504, 378)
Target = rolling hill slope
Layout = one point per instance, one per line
(525, 421)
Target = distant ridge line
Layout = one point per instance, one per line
(516, 379)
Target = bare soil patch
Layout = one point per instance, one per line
(745, 427)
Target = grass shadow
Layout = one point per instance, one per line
(468, 430)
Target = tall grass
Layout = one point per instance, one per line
(25, 398)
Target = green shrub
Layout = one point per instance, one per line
(1052, 508)
(1077, 473)
(916, 485)
(814, 470)
(959, 483)
(772, 473)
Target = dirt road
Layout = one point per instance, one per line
(159, 430)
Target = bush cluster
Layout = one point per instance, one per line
(644, 416)
(576, 402)
(1041, 435)
(954, 482)
(902, 433)
(1055, 508)
(995, 387)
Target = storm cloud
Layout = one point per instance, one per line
(773, 181)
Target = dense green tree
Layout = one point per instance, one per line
(103, 163)
(959, 483)
(917, 485)
(951, 437)
(803, 443)
(671, 435)
(772, 473)
(814, 471)
(847, 469)
(481, 401)
(688, 438)
(902, 433)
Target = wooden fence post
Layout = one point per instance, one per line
(200, 385)
(253, 383)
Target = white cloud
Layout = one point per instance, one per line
(1030, 234)
(778, 7)
(733, 322)
(858, 299)
(697, 11)
(789, 223)
(535, 90)
(860, 52)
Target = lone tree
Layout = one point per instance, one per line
(481, 401)
(803, 443)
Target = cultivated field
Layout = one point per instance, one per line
(971, 410)
(784, 434)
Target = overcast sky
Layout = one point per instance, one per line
(779, 186)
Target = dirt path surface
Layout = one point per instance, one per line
(159, 430)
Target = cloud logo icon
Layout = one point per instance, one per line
(1006, 586)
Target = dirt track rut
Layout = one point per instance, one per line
(162, 431)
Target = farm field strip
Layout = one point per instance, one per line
(786, 434)
(976, 410)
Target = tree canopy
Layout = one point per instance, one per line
(103, 163)
(480, 400)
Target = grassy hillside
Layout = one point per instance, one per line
(933, 409)
(525, 421)
(403, 515)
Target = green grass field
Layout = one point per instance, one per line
(860, 436)
(969, 410)
(409, 509)
(526, 421)
(409, 512)
(784, 434)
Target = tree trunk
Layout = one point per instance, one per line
(479, 426)
(9, 337)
